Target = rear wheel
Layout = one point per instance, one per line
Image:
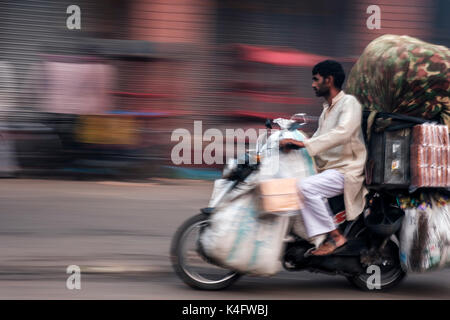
(390, 270)
(189, 262)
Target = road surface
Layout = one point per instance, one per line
(119, 234)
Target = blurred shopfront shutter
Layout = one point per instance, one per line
(31, 30)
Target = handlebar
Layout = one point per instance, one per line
(290, 146)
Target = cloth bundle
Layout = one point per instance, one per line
(401, 74)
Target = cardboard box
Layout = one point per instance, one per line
(279, 196)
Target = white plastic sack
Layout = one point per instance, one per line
(243, 242)
(220, 185)
(441, 221)
(425, 238)
(408, 233)
(237, 237)
(277, 164)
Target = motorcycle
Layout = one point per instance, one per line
(373, 240)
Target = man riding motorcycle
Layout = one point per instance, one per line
(340, 153)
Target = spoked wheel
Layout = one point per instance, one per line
(191, 265)
(390, 270)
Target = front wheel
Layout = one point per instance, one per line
(191, 265)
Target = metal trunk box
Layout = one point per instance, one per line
(389, 157)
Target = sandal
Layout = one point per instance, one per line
(328, 247)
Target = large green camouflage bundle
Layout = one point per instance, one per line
(401, 74)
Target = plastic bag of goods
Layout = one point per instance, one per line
(425, 237)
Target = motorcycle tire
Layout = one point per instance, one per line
(389, 277)
(179, 257)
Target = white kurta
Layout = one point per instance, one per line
(339, 144)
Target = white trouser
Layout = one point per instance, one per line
(317, 215)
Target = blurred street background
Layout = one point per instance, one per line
(103, 100)
(86, 117)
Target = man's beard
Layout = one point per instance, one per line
(322, 92)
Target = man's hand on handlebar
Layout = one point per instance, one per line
(288, 144)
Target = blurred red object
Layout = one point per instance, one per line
(283, 56)
(278, 56)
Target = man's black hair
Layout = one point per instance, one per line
(330, 68)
